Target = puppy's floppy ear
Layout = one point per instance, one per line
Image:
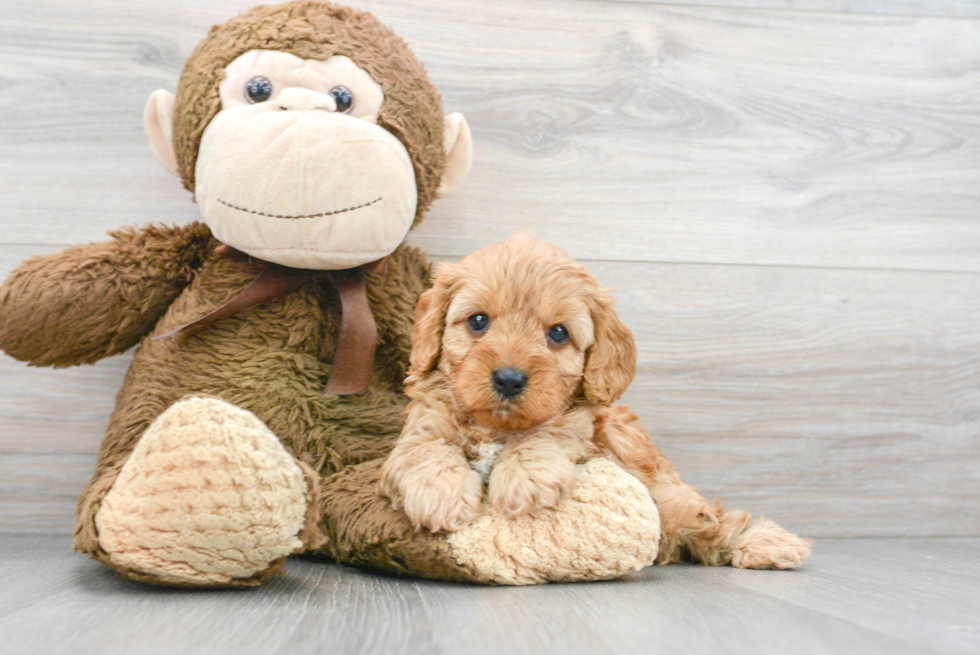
(430, 318)
(610, 363)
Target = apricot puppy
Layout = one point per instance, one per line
(517, 357)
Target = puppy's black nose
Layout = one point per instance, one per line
(509, 382)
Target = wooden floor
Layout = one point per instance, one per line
(860, 596)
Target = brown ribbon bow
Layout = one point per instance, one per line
(353, 361)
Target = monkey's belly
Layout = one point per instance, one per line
(272, 360)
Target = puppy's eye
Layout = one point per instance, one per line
(479, 322)
(344, 98)
(258, 89)
(558, 334)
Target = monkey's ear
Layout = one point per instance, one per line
(459, 154)
(158, 119)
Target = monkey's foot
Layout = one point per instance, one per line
(606, 527)
(208, 497)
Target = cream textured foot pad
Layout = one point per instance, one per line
(607, 528)
(208, 496)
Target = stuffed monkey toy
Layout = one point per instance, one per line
(272, 339)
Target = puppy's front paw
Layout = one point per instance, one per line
(443, 499)
(519, 487)
(765, 545)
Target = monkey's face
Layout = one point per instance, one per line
(294, 168)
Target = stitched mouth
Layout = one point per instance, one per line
(321, 214)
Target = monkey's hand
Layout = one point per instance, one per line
(89, 302)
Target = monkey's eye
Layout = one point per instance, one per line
(258, 89)
(479, 322)
(558, 334)
(344, 98)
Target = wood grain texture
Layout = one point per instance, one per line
(57, 411)
(38, 491)
(631, 131)
(939, 8)
(864, 596)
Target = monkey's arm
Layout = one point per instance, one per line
(89, 302)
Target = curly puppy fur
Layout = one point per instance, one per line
(563, 413)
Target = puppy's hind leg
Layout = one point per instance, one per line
(695, 527)
(691, 525)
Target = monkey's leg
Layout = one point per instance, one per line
(88, 302)
(607, 527)
(208, 497)
(364, 529)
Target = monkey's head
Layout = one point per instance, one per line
(309, 134)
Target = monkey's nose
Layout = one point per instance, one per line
(294, 98)
(509, 382)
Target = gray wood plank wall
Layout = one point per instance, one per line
(785, 195)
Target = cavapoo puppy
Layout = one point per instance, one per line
(517, 357)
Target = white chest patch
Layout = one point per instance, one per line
(486, 455)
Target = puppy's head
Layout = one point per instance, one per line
(521, 331)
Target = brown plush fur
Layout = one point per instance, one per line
(131, 280)
(273, 360)
(561, 417)
(412, 109)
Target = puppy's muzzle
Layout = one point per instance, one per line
(509, 382)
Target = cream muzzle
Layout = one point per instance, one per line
(293, 181)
